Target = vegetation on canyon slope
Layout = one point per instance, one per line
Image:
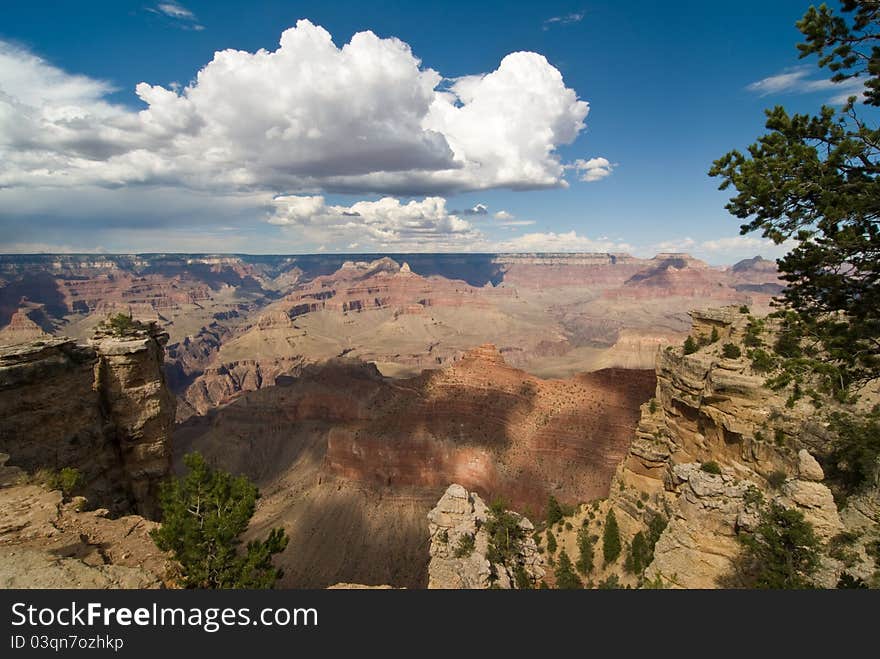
(813, 180)
(204, 515)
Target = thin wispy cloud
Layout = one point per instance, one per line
(567, 19)
(179, 15)
(798, 81)
(510, 221)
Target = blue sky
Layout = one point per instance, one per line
(667, 86)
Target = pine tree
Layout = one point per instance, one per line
(814, 180)
(554, 511)
(611, 538)
(690, 346)
(783, 552)
(203, 516)
(566, 579)
(585, 547)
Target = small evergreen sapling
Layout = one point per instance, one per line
(204, 515)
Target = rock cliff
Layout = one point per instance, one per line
(101, 409)
(710, 447)
(460, 546)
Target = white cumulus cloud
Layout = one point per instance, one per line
(594, 169)
(385, 222)
(724, 250)
(308, 116)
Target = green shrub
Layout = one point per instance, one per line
(554, 511)
(68, 480)
(521, 578)
(652, 406)
(849, 581)
(465, 546)
(753, 496)
(855, 451)
(612, 582)
(713, 338)
(568, 526)
(121, 324)
(566, 578)
(711, 467)
(690, 346)
(611, 538)
(731, 351)
(788, 345)
(204, 515)
(776, 479)
(551, 542)
(782, 553)
(762, 361)
(585, 543)
(636, 559)
(641, 550)
(840, 547)
(873, 550)
(753, 333)
(505, 536)
(744, 309)
(443, 536)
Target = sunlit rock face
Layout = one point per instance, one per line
(103, 409)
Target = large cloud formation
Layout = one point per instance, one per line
(308, 116)
(385, 223)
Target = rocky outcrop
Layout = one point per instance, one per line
(460, 546)
(711, 445)
(48, 542)
(28, 323)
(140, 407)
(101, 409)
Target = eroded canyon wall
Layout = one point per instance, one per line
(713, 447)
(102, 409)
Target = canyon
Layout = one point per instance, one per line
(712, 446)
(349, 461)
(238, 322)
(355, 392)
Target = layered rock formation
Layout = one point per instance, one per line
(140, 407)
(238, 322)
(712, 445)
(102, 409)
(28, 323)
(459, 520)
(350, 462)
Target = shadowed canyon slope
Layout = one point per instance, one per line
(350, 462)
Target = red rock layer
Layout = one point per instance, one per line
(496, 429)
